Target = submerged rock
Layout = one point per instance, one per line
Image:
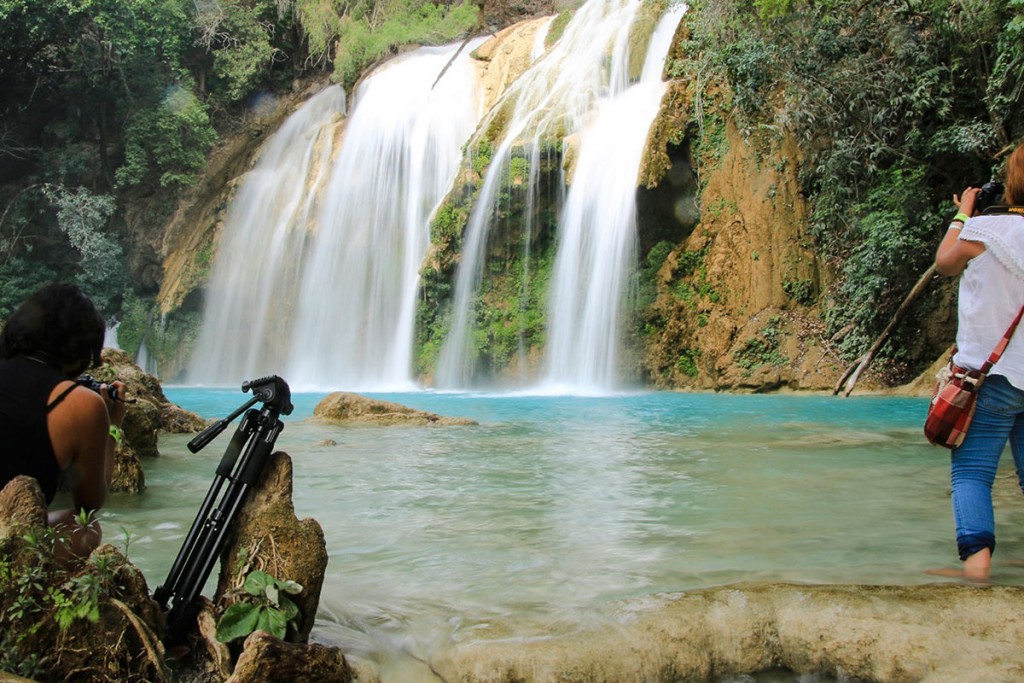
(344, 407)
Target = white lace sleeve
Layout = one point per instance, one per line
(1003, 236)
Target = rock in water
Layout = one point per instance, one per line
(347, 408)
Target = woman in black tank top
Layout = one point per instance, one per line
(53, 426)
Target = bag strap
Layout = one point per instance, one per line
(1001, 346)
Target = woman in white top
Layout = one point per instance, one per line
(988, 251)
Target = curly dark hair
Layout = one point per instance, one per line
(58, 322)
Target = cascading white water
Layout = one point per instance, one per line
(254, 280)
(597, 231)
(583, 77)
(317, 272)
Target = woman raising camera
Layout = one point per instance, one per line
(52, 425)
(988, 252)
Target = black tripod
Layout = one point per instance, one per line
(242, 464)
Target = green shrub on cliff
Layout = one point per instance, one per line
(897, 105)
(370, 32)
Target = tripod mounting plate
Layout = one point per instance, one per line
(272, 391)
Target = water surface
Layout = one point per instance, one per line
(554, 507)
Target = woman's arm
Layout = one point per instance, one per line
(954, 253)
(79, 430)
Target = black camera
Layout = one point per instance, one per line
(990, 192)
(88, 382)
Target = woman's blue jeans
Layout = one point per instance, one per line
(998, 418)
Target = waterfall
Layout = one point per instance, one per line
(597, 231)
(317, 273)
(110, 337)
(579, 88)
(253, 283)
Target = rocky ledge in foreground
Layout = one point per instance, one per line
(94, 621)
(937, 633)
(346, 408)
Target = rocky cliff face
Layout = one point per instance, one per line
(736, 304)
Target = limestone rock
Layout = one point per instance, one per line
(121, 639)
(22, 504)
(266, 658)
(268, 536)
(888, 634)
(148, 415)
(345, 407)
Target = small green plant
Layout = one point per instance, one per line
(265, 606)
(40, 588)
(801, 291)
(764, 349)
(85, 517)
(128, 537)
(687, 361)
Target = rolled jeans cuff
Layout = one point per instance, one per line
(973, 543)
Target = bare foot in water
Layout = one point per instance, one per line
(977, 568)
(956, 574)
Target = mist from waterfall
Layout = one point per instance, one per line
(317, 271)
(581, 88)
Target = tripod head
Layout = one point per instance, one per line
(272, 390)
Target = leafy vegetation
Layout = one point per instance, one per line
(897, 104)
(762, 349)
(368, 33)
(36, 591)
(264, 606)
(110, 104)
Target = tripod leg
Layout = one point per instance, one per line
(210, 540)
(172, 586)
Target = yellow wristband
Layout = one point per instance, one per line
(962, 217)
(116, 432)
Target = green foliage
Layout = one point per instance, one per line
(448, 224)
(897, 105)
(481, 155)
(691, 282)
(762, 349)
(363, 38)
(173, 336)
(892, 234)
(511, 312)
(174, 137)
(647, 275)
(36, 590)
(19, 278)
(557, 28)
(135, 319)
(239, 34)
(320, 20)
(83, 217)
(687, 361)
(265, 606)
(801, 291)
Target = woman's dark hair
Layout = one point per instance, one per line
(58, 322)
